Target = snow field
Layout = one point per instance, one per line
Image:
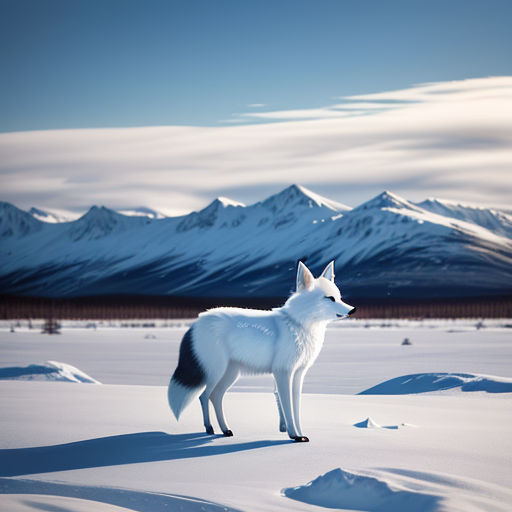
(352, 360)
(117, 447)
(123, 437)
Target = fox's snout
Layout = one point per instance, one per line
(351, 311)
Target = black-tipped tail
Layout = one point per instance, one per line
(187, 379)
(189, 372)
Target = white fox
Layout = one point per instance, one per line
(225, 342)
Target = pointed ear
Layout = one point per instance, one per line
(304, 277)
(328, 272)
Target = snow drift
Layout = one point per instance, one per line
(51, 370)
(429, 382)
(344, 490)
(62, 497)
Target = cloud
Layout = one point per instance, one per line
(256, 105)
(447, 139)
(233, 120)
(313, 113)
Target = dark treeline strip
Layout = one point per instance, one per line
(142, 307)
(108, 307)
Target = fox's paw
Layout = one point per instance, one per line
(300, 439)
(209, 430)
(228, 433)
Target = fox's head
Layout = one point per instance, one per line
(318, 299)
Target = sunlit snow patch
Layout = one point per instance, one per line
(51, 370)
(429, 382)
(345, 490)
(370, 423)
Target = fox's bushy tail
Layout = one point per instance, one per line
(188, 378)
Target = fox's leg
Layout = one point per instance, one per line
(217, 395)
(212, 380)
(284, 384)
(205, 406)
(282, 421)
(298, 379)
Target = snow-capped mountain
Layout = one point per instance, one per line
(16, 223)
(47, 216)
(385, 247)
(51, 216)
(497, 221)
(142, 211)
(100, 221)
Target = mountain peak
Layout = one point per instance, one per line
(226, 201)
(6, 207)
(97, 222)
(207, 217)
(97, 210)
(219, 202)
(299, 196)
(16, 222)
(101, 214)
(387, 199)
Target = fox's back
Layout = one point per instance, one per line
(245, 336)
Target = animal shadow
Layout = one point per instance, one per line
(118, 450)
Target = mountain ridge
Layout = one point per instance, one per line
(385, 247)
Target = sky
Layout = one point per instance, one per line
(170, 103)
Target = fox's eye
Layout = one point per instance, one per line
(331, 298)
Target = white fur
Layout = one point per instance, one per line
(285, 342)
(179, 397)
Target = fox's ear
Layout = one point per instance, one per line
(328, 272)
(304, 277)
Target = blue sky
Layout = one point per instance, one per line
(111, 63)
(126, 103)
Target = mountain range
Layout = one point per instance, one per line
(385, 247)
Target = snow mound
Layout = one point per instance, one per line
(344, 490)
(51, 370)
(429, 382)
(33, 502)
(25, 495)
(370, 423)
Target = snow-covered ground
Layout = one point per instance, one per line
(64, 444)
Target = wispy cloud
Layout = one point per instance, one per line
(345, 109)
(256, 105)
(449, 139)
(233, 120)
(312, 113)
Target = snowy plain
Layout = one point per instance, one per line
(115, 446)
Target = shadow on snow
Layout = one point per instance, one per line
(117, 450)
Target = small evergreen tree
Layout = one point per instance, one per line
(51, 326)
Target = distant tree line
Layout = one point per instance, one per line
(140, 307)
